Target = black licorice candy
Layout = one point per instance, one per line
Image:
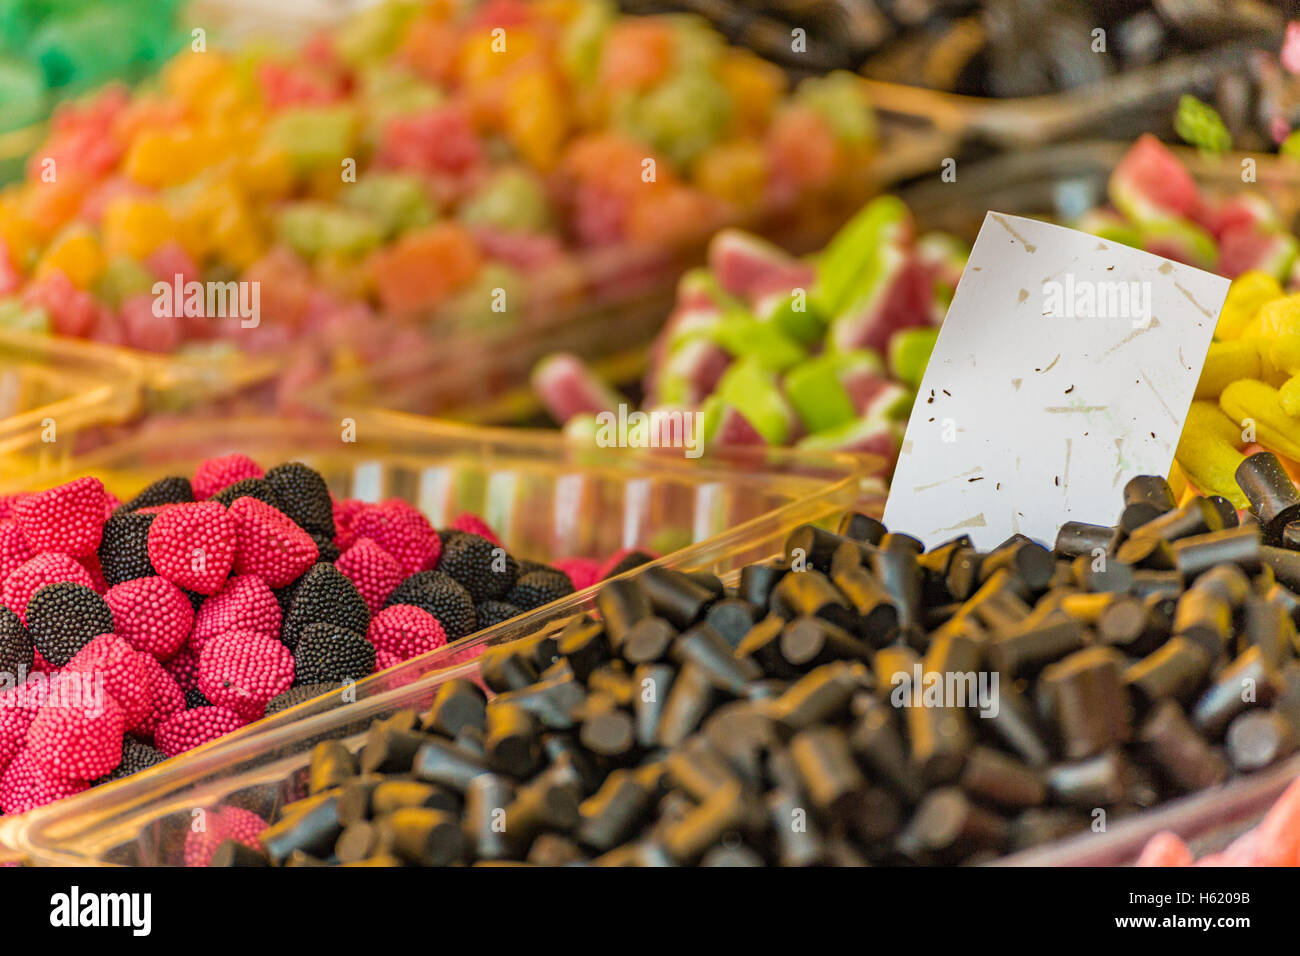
(424, 836)
(674, 596)
(809, 546)
(784, 735)
(1273, 496)
(861, 527)
(1259, 738)
(1088, 702)
(621, 604)
(458, 703)
(1076, 539)
(1183, 755)
(731, 618)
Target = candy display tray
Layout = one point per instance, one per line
(544, 497)
(142, 820)
(1130, 103)
(52, 393)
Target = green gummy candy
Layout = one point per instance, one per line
(699, 281)
(766, 345)
(314, 136)
(392, 91)
(1197, 245)
(794, 316)
(753, 391)
(493, 300)
(584, 38)
(851, 262)
(22, 93)
(819, 399)
(512, 199)
(374, 32)
(396, 201)
(909, 353)
(14, 314)
(680, 118)
(122, 277)
(839, 99)
(312, 228)
(697, 45)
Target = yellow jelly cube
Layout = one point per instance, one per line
(197, 79)
(1249, 292)
(736, 172)
(166, 157)
(535, 118)
(135, 227)
(490, 53)
(266, 173)
(755, 87)
(76, 253)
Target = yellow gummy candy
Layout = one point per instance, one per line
(1226, 363)
(535, 118)
(76, 253)
(1280, 316)
(1256, 406)
(1209, 452)
(1249, 292)
(1177, 481)
(166, 157)
(135, 227)
(1288, 396)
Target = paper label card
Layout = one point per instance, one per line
(1065, 367)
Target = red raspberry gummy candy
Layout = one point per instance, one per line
(473, 524)
(214, 474)
(243, 670)
(373, 571)
(166, 697)
(30, 576)
(225, 823)
(152, 614)
(191, 728)
(69, 518)
(1165, 849)
(17, 712)
(77, 740)
(405, 631)
(270, 545)
(246, 603)
(14, 549)
(26, 785)
(193, 545)
(125, 678)
(403, 531)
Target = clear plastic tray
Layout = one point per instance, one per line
(1128, 104)
(142, 821)
(1208, 821)
(545, 498)
(52, 394)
